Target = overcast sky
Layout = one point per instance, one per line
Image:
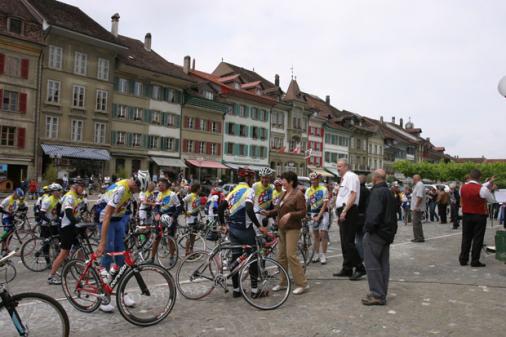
(437, 62)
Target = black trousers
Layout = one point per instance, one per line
(442, 212)
(454, 208)
(243, 237)
(473, 231)
(347, 231)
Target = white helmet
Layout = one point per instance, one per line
(55, 187)
(141, 178)
(265, 172)
(166, 220)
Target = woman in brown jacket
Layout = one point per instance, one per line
(289, 212)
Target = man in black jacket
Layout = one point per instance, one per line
(380, 228)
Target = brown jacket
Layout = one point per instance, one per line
(295, 204)
(443, 198)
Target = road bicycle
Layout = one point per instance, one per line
(305, 249)
(150, 286)
(31, 314)
(257, 272)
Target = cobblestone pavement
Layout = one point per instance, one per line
(430, 295)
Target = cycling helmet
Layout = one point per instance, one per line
(55, 187)
(166, 220)
(141, 178)
(245, 172)
(277, 182)
(265, 172)
(20, 193)
(45, 189)
(314, 175)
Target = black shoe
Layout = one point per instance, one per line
(343, 273)
(455, 227)
(236, 294)
(477, 264)
(357, 275)
(371, 300)
(418, 240)
(463, 263)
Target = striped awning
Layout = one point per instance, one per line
(64, 151)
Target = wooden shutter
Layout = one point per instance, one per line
(197, 147)
(208, 148)
(209, 126)
(164, 118)
(130, 139)
(185, 145)
(236, 109)
(25, 66)
(218, 149)
(176, 145)
(197, 124)
(113, 137)
(177, 121)
(116, 83)
(22, 102)
(186, 122)
(21, 138)
(247, 111)
(145, 140)
(130, 112)
(114, 110)
(218, 127)
(2, 63)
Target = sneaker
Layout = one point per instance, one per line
(372, 300)
(316, 258)
(129, 302)
(236, 294)
(343, 273)
(357, 275)
(323, 259)
(54, 280)
(278, 288)
(107, 307)
(300, 290)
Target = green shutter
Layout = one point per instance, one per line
(237, 129)
(131, 86)
(130, 139)
(177, 121)
(144, 141)
(146, 116)
(147, 90)
(236, 149)
(250, 134)
(236, 109)
(113, 137)
(131, 112)
(246, 111)
(114, 110)
(176, 145)
(164, 118)
(165, 94)
(116, 83)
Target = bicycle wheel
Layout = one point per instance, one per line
(84, 293)
(152, 289)
(36, 315)
(302, 258)
(187, 247)
(269, 274)
(8, 272)
(34, 257)
(196, 280)
(164, 256)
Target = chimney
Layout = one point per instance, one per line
(381, 119)
(393, 120)
(147, 42)
(114, 24)
(276, 80)
(327, 99)
(186, 64)
(401, 123)
(193, 64)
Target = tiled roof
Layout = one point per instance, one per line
(228, 78)
(250, 85)
(246, 75)
(293, 93)
(72, 18)
(137, 56)
(32, 28)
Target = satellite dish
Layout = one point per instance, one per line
(502, 86)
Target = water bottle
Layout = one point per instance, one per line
(104, 274)
(113, 271)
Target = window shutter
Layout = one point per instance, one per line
(147, 90)
(235, 149)
(130, 139)
(218, 149)
(22, 102)
(251, 134)
(165, 94)
(197, 147)
(186, 122)
(21, 138)
(246, 111)
(144, 141)
(237, 129)
(113, 137)
(208, 148)
(197, 123)
(176, 145)
(218, 127)
(209, 126)
(2, 63)
(236, 109)
(131, 85)
(164, 118)
(114, 110)
(177, 121)
(147, 116)
(116, 83)
(25, 66)
(131, 112)
(1, 98)
(185, 145)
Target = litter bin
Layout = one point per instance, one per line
(500, 246)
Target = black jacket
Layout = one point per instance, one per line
(381, 214)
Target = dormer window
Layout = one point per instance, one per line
(15, 25)
(259, 91)
(237, 85)
(208, 94)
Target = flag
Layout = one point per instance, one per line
(307, 153)
(282, 149)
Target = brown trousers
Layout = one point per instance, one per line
(287, 256)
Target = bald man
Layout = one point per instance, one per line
(417, 208)
(380, 227)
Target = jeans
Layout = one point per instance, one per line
(115, 241)
(377, 264)
(432, 211)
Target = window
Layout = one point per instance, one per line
(121, 137)
(243, 131)
(170, 95)
(10, 101)
(214, 126)
(191, 122)
(242, 110)
(99, 133)
(122, 111)
(13, 66)
(171, 120)
(254, 113)
(55, 57)
(358, 143)
(231, 129)
(208, 94)
(202, 147)
(243, 150)
(254, 134)
(101, 100)
(15, 25)
(78, 96)
(156, 92)
(136, 141)
(123, 86)
(155, 117)
(229, 148)
(153, 142)
(80, 63)
(190, 146)
(213, 149)
(103, 69)
(76, 132)
(8, 136)
(137, 114)
(53, 91)
(138, 88)
(51, 127)
(170, 144)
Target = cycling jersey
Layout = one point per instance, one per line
(146, 197)
(167, 202)
(192, 204)
(262, 196)
(276, 197)
(237, 200)
(315, 198)
(212, 205)
(117, 196)
(69, 201)
(48, 206)
(9, 205)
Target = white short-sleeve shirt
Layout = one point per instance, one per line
(349, 183)
(418, 192)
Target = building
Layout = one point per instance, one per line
(22, 45)
(76, 89)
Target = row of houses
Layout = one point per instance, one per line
(95, 102)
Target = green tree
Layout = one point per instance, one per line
(51, 174)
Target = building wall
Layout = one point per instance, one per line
(375, 153)
(335, 146)
(315, 138)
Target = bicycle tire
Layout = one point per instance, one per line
(268, 277)
(44, 321)
(163, 255)
(189, 278)
(8, 271)
(87, 288)
(156, 290)
(199, 244)
(32, 256)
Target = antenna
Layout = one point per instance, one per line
(291, 70)
(222, 59)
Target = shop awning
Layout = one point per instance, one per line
(206, 164)
(61, 151)
(168, 162)
(252, 167)
(333, 171)
(320, 171)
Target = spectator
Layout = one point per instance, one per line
(442, 200)
(406, 205)
(362, 206)
(454, 205)
(32, 187)
(396, 191)
(432, 197)
(417, 208)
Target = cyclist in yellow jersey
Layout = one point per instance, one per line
(317, 199)
(192, 207)
(147, 202)
(49, 214)
(263, 194)
(278, 191)
(8, 207)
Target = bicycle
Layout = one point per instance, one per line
(305, 244)
(196, 282)
(31, 313)
(150, 286)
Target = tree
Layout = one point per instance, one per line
(51, 174)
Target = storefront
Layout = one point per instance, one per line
(205, 171)
(171, 168)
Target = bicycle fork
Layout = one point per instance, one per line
(11, 305)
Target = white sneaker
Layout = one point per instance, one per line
(278, 288)
(323, 258)
(316, 258)
(300, 290)
(129, 302)
(106, 307)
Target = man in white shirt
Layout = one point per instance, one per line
(347, 212)
(417, 208)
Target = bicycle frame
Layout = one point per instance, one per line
(10, 306)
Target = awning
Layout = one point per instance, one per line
(333, 171)
(321, 172)
(252, 167)
(61, 151)
(206, 164)
(168, 162)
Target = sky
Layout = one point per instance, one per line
(436, 62)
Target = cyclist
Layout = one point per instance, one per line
(112, 225)
(263, 194)
(38, 203)
(278, 191)
(70, 209)
(213, 202)
(8, 208)
(240, 205)
(48, 215)
(167, 210)
(192, 205)
(317, 199)
(147, 202)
